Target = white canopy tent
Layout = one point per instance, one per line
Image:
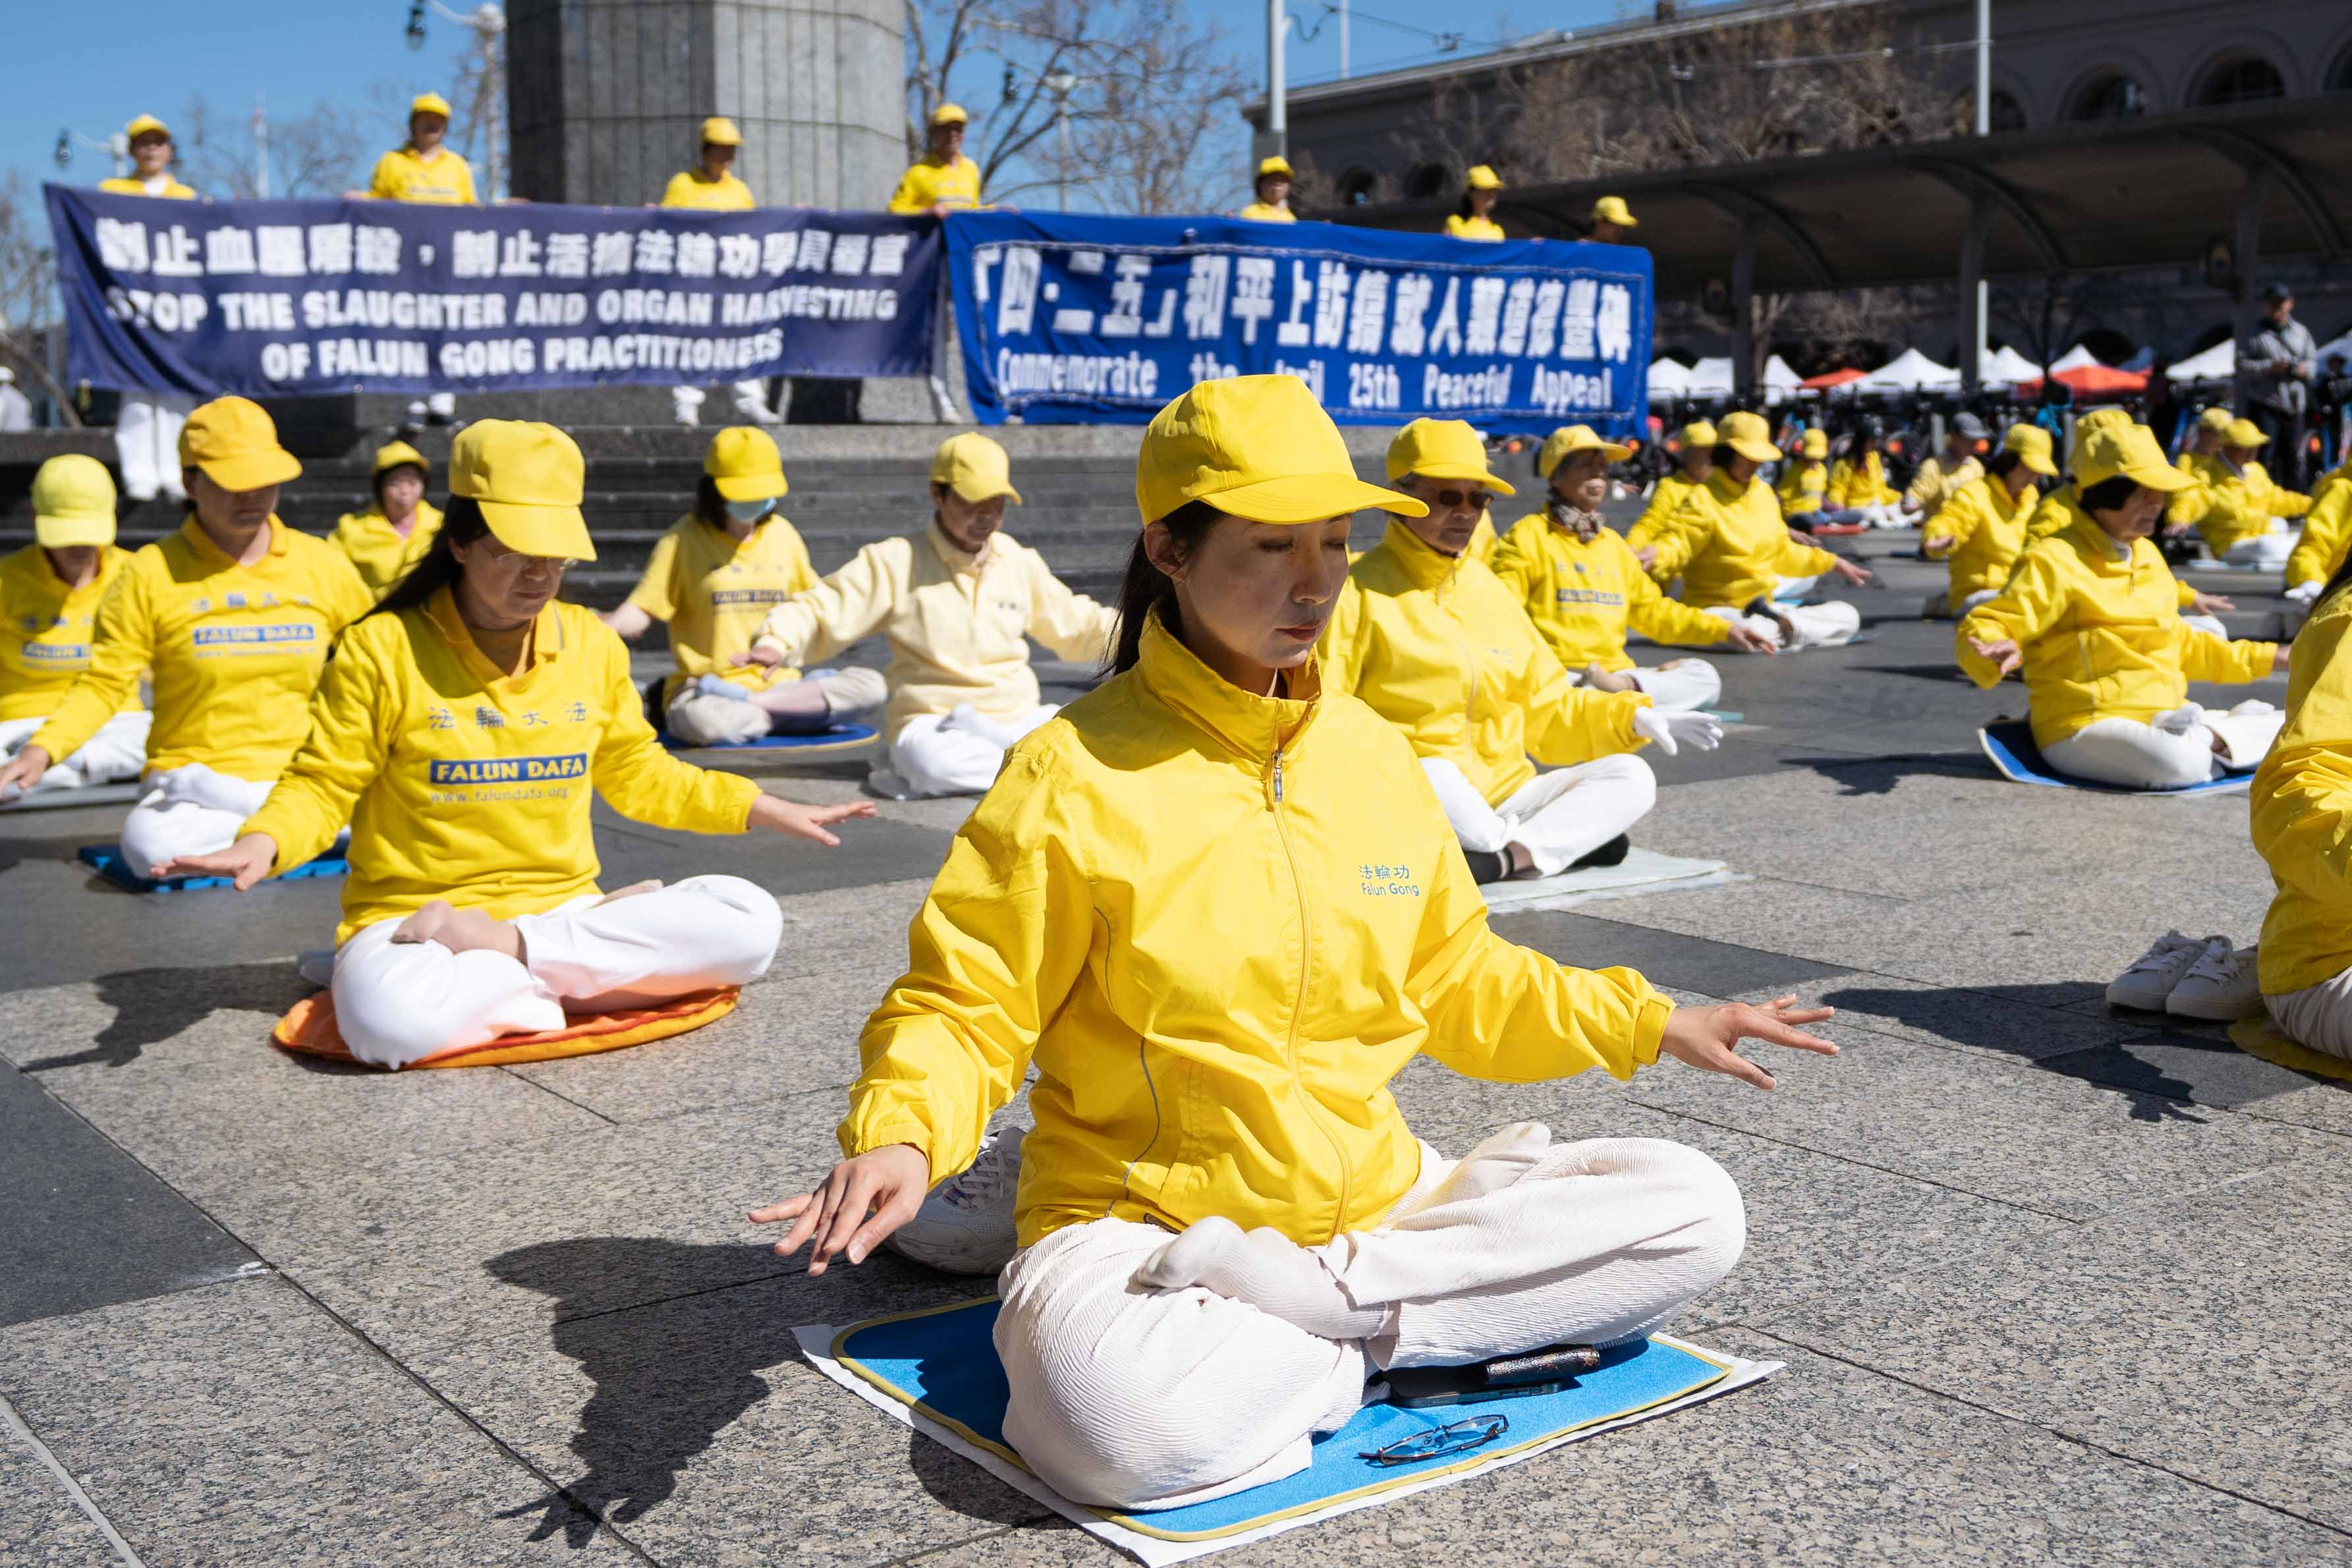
(1710, 378)
(2218, 363)
(2075, 358)
(1910, 371)
(2006, 367)
(1668, 380)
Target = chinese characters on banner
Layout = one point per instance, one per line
(1083, 319)
(287, 297)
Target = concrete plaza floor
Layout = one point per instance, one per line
(2055, 1284)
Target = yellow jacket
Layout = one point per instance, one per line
(715, 593)
(1986, 530)
(1581, 594)
(2302, 810)
(2326, 530)
(1666, 497)
(1462, 227)
(1259, 212)
(2187, 506)
(444, 181)
(1933, 482)
(46, 631)
(461, 782)
(1214, 1014)
(1730, 545)
(1860, 484)
(2101, 631)
(1802, 487)
(2059, 510)
(958, 625)
(236, 650)
(125, 185)
(725, 193)
(928, 183)
(2233, 507)
(1441, 649)
(379, 555)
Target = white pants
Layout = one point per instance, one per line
(117, 751)
(2141, 756)
(1680, 685)
(398, 1001)
(1794, 587)
(2319, 1016)
(2268, 551)
(751, 401)
(1556, 815)
(1825, 625)
(959, 752)
(189, 810)
(147, 443)
(1128, 1398)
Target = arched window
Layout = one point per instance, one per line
(2004, 113)
(1356, 187)
(1427, 180)
(2339, 75)
(2247, 79)
(2113, 96)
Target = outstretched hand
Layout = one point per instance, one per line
(245, 862)
(795, 820)
(1708, 1037)
(857, 1206)
(1850, 571)
(23, 770)
(1747, 641)
(2004, 655)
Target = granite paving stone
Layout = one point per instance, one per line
(40, 1524)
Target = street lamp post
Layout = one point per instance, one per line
(1061, 84)
(1277, 115)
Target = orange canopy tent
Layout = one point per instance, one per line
(1831, 378)
(2093, 381)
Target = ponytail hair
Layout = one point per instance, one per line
(462, 523)
(2000, 465)
(1146, 588)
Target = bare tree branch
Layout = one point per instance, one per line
(28, 270)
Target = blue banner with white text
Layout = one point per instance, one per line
(1071, 318)
(294, 298)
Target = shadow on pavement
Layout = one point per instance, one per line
(155, 1005)
(1879, 775)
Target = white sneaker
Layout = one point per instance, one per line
(2224, 985)
(2149, 983)
(965, 1226)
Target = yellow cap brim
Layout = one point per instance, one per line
(64, 530)
(977, 490)
(251, 470)
(1310, 498)
(752, 487)
(2043, 466)
(557, 531)
(2165, 477)
(1760, 451)
(1465, 471)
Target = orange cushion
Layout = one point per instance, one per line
(309, 1027)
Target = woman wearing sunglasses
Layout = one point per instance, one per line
(1214, 1254)
(463, 730)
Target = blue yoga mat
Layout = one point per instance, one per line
(2010, 745)
(107, 860)
(839, 738)
(944, 1364)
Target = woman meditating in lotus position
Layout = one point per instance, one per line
(1219, 908)
(2093, 616)
(462, 729)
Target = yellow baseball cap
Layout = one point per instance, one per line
(1275, 166)
(950, 115)
(1817, 443)
(975, 467)
(1443, 449)
(2217, 417)
(428, 103)
(73, 502)
(2243, 433)
(528, 478)
(2129, 450)
(1613, 209)
(145, 125)
(234, 442)
(743, 464)
(2031, 444)
(393, 455)
(720, 131)
(1259, 447)
(1747, 434)
(1575, 438)
(1697, 433)
(1482, 178)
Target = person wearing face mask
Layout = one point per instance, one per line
(1216, 906)
(714, 576)
(386, 541)
(2092, 618)
(1437, 646)
(235, 615)
(1580, 584)
(1735, 556)
(2239, 509)
(463, 730)
(959, 603)
(49, 594)
(147, 427)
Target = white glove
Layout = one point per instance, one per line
(2304, 593)
(2180, 720)
(1670, 732)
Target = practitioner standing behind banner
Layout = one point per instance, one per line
(712, 186)
(49, 594)
(1612, 222)
(234, 613)
(1481, 188)
(392, 536)
(147, 429)
(465, 730)
(1271, 201)
(958, 602)
(942, 180)
(426, 172)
